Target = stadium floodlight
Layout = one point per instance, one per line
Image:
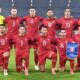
(31, 3)
(50, 3)
(69, 2)
(12, 3)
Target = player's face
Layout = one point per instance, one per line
(3, 29)
(50, 13)
(32, 12)
(63, 33)
(13, 12)
(79, 29)
(22, 30)
(67, 13)
(44, 31)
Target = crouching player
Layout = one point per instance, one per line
(44, 50)
(22, 52)
(4, 49)
(76, 38)
(62, 41)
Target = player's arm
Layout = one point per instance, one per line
(58, 24)
(75, 25)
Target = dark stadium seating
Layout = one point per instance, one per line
(41, 6)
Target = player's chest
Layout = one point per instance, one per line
(62, 43)
(50, 24)
(21, 41)
(13, 22)
(67, 23)
(45, 41)
(32, 21)
(4, 41)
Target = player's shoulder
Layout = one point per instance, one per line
(8, 17)
(27, 16)
(19, 17)
(39, 16)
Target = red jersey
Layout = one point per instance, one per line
(51, 23)
(78, 22)
(44, 44)
(12, 24)
(68, 25)
(76, 38)
(5, 42)
(61, 44)
(21, 43)
(32, 25)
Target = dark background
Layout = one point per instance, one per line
(41, 6)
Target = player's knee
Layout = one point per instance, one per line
(6, 54)
(54, 55)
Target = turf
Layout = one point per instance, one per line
(36, 75)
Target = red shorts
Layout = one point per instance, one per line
(42, 58)
(33, 44)
(22, 54)
(1, 57)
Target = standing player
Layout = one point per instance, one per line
(45, 51)
(62, 41)
(33, 22)
(1, 17)
(13, 22)
(77, 39)
(22, 50)
(51, 23)
(4, 48)
(68, 23)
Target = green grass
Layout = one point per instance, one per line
(36, 75)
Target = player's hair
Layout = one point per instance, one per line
(14, 8)
(3, 25)
(49, 9)
(67, 9)
(42, 26)
(22, 25)
(62, 29)
(32, 8)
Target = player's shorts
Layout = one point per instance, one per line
(22, 54)
(33, 44)
(1, 57)
(54, 49)
(42, 58)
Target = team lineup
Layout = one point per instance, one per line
(33, 31)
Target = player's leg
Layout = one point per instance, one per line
(26, 65)
(18, 62)
(6, 60)
(62, 62)
(1, 61)
(42, 61)
(78, 62)
(71, 66)
(52, 55)
(35, 56)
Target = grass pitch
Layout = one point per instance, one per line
(36, 75)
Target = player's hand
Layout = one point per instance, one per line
(72, 49)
